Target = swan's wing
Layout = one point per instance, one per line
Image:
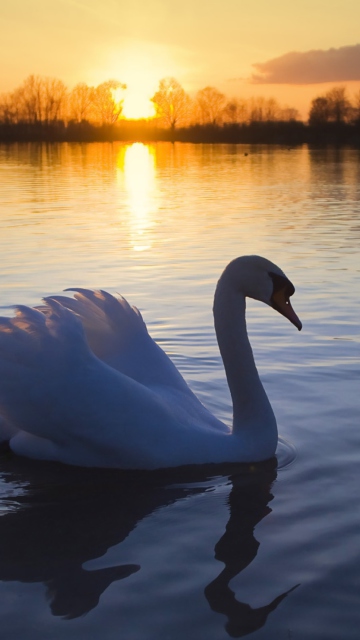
(37, 352)
(117, 334)
(65, 404)
(60, 402)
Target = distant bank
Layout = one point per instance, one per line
(286, 133)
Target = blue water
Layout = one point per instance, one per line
(212, 552)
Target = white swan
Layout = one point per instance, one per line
(83, 383)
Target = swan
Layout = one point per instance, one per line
(83, 383)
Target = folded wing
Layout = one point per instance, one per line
(117, 334)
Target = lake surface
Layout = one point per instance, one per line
(209, 553)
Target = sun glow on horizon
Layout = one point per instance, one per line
(137, 102)
(140, 66)
(141, 74)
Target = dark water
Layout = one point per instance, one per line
(208, 552)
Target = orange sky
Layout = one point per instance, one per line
(200, 43)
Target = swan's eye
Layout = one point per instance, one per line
(281, 283)
(290, 290)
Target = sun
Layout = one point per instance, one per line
(141, 74)
(140, 66)
(137, 101)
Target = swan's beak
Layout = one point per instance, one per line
(282, 304)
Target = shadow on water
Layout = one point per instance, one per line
(57, 518)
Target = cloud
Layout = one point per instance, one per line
(310, 67)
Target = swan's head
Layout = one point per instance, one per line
(263, 280)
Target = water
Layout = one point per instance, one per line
(213, 552)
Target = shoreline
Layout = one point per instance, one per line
(283, 133)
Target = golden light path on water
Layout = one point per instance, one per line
(136, 171)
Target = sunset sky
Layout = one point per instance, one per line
(281, 49)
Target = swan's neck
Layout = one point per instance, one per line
(252, 411)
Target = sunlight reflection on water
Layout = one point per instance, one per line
(136, 168)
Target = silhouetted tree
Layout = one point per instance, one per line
(54, 97)
(107, 108)
(81, 100)
(211, 103)
(257, 109)
(288, 114)
(355, 115)
(29, 97)
(235, 111)
(38, 99)
(172, 103)
(319, 111)
(339, 104)
(263, 109)
(333, 106)
(9, 108)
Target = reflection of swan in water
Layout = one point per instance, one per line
(122, 403)
(68, 516)
(237, 548)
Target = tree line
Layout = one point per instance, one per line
(47, 100)
(335, 106)
(44, 108)
(175, 108)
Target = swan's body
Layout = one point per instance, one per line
(82, 382)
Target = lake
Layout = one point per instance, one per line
(209, 552)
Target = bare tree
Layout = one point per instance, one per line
(29, 97)
(9, 108)
(54, 96)
(264, 109)
(211, 103)
(107, 107)
(319, 111)
(339, 104)
(172, 104)
(81, 100)
(288, 113)
(333, 106)
(38, 99)
(356, 108)
(256, 109)
(272, 110)
(235, 111)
